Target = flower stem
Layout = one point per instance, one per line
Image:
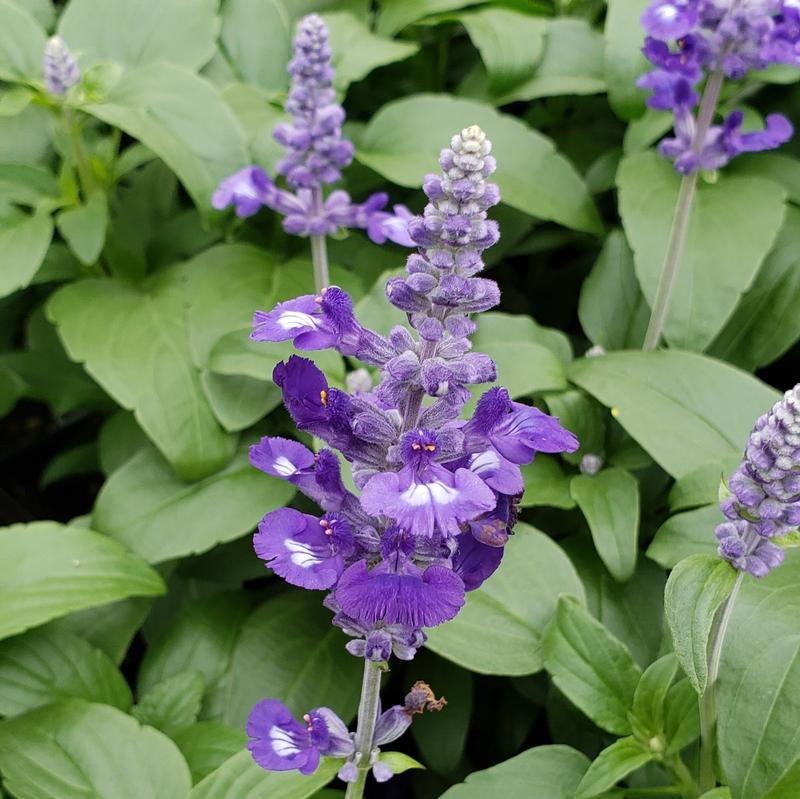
(365, 732)
(319, 247)
(708, 702)
(82, 165)
(680, 220)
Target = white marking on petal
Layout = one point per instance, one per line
(484, 461)
(282, 742)
(283, 466)
(302, 554)
(418, 494)
(291, 320)
(667, 13)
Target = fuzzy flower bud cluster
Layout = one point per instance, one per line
(437, 494)
(764, 498)
(316, 152)
(61, 71)
(691, 39)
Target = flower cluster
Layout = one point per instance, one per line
(689, 39)
(61, 71)
(316, 152)
(438, 495)
(764, 491)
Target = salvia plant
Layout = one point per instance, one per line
(297, 503)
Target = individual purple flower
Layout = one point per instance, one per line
(281, 457)
(61, 71)
(424, 497)
(383, 226)
(689, 39)
(312, 322)
(302, 549)
(247, 190)
(474, 562)
(763, 494)
(397, 591)
(305, 391)
(281, 743)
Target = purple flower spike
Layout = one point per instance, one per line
(302, 549)
(315, 149)
(689, 39)
(764, 498)
(61, 71)
(281, 743)
(247, 190)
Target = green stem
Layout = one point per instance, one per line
(365, 731)
(680, 221)
(708, 702)
(82, 165)
(319, 247)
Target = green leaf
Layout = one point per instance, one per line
(546, 484)
(696, 588)
(733, 226)
(632, 611)
(590, 666)
(251, 105)
(74, 748)
(45, 665)
(257, 40)
(23, 245)
(239, 401)
(585, 417)
(84, 228)
(758, 697)
(441, 737)
(172, 705)
(201, 638)
(27, 184)
(399, 762)
(143, 505)
(511, 44)
(206, 745)
(119, 440)
(610, 502)
(397, 14)
(572, 63)
(612, 310)
(402, 142)
(180, 117)
(240, 778)
(766, 321)
(499, 630)
(725, 793)
(110, 627)
(80, 460)
(21, 43)
(701, 485)
(288, 648)
(624, 60)
(612, 764)
(135, 343)
(544, 771)
(182, 31)
(681, 717)
(650, 697)
(669, 402)
(356, 51)
(518, 327)
(685, 534)
(59, 569)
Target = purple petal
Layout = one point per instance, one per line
(475, 562)
(416, 598)
(296, 547)
(497, 472)
(526, 431)
(424, 503)
(287, 319)
(278, 741)
(280, 457)
(670, 19)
